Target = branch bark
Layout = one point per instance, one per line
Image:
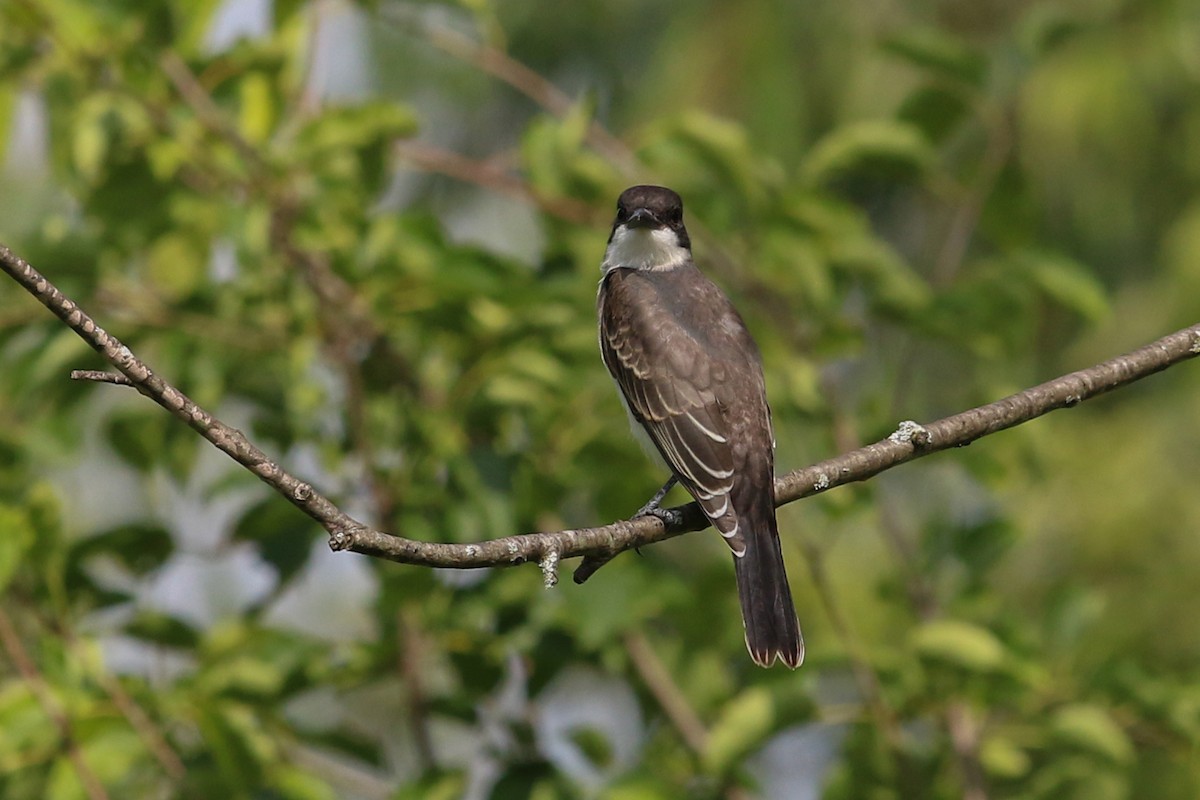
(909, 442)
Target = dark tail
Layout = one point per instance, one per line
(768, 612)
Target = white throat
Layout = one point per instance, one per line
(643, 248)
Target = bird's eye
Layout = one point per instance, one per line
(621, 215)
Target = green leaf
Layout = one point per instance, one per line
(603, 609)
(176, 265)
(939, 52)
(16, 538)
(359, 126)
(272, 525)
(556, 158)
(1003, 758)
(1092, 729)
(114, 750)
(961, 644)
(892, 285)
(978, 545)
(138, 436)
(62, 782)
(1068, 283)
(436, 784)
(790, 258)
(935, 110)
(195, 26)
(744, 722)
(249, 678)
(887, 149)
(527, 780)
(233, 739)
(139, 547)
(641, 787)
(89, 147)
(723, 146)
(163, 630)
(23, 728)
(293, 783)
(108, 128)
(45, 513)
(8, 101)
(62, 351)
(594, 745)
(257, 104)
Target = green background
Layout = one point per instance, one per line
(369, 236)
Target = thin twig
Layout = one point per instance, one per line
(201, 102)
(100, 376)
(490, 174)
(660, 683)
(910, 442)
(227, 439)
(10, 640)
(412, 640)
(329, 287)
(964, 740)
(145, 727)
(527, 81)
(503, 67)
(675, 705)
(956, 716)
(964, 219)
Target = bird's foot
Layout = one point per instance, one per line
(652, 509)
(670, 517)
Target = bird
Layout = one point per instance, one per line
(691, 379)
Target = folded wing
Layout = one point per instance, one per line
(672, 390)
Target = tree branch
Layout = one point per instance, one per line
(492, 61)
(670, 697)
(490, 174)
(909, 442)
(10, 641)
(100, 376)
(226, 439)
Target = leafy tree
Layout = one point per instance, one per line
(368, 235)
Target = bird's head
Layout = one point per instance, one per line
(648, 232)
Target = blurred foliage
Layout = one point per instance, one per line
(918, 207)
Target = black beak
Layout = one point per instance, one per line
(642, 218)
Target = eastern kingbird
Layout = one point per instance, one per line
(691, 377)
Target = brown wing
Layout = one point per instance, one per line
(672, 389)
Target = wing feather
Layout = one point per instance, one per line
(673, 399)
